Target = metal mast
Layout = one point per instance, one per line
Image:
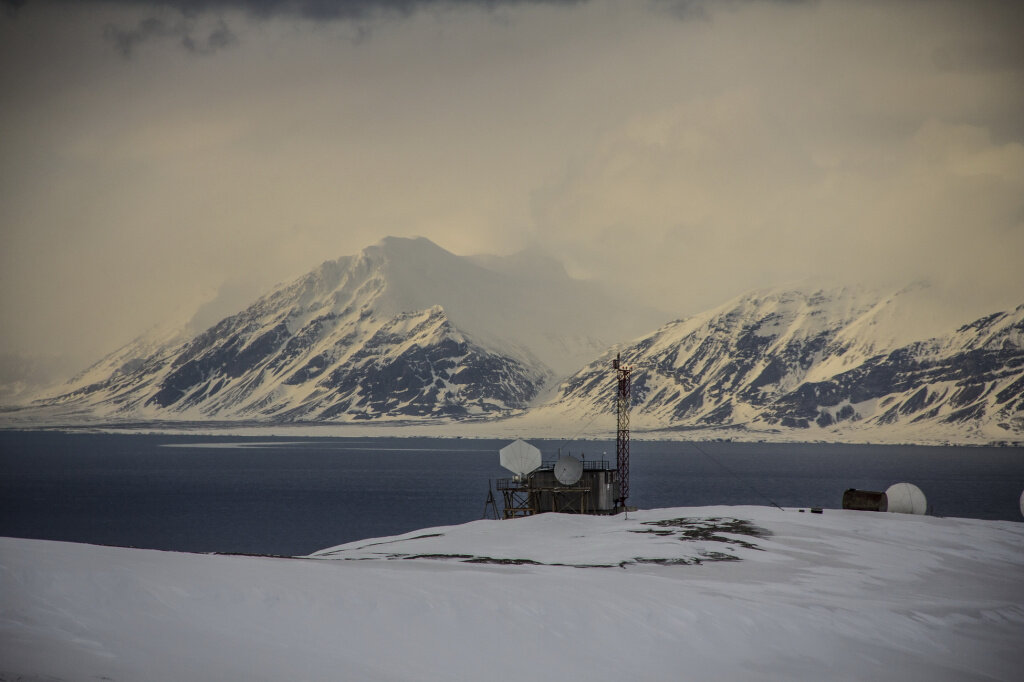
(622, 437)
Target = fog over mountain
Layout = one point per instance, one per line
(402, 329)
(162, 156)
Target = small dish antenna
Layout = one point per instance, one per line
(568, 470)
(906, 498)
(519, 457)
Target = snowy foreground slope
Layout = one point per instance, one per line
(714, 593)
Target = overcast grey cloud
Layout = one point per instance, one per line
(750, 144)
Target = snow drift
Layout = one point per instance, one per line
(727, 593)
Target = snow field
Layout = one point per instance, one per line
(842, 595)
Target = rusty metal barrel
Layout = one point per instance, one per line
(865, 500)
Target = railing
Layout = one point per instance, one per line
(510, 484)
(588, 465)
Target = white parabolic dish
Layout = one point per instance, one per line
(519, 457)
(906, 498)
(568, 470)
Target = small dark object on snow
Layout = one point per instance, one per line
(816, 510)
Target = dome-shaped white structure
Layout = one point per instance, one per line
(906, 498)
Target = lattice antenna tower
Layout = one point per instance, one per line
(622, 401)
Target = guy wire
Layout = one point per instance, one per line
(736, 476)
(587, 425)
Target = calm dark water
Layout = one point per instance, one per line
(296, 495)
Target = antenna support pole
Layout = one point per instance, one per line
(622, 433)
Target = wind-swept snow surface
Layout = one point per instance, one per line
(723, 593)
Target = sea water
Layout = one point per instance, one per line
(292, 496)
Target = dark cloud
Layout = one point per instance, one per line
(313, 9)
(184, 31)
(220, 37)
(184, 28)
(9, 8)
(685, 9)
(700, 9)
(125, 40)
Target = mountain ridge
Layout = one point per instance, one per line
(343, 340)
(405, 330)
(789, 360)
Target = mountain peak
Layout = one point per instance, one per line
(406, 248)
(404, 328)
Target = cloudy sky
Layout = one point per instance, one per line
(156, 155)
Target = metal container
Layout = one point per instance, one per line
(865, 500)
(603, 490)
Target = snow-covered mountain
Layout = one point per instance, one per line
(823, 363)
(403, 329)
(406, 330)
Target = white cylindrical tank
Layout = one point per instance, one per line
(906, 498)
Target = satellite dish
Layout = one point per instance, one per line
(906, 498)
(519, 457)
(568, 470)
